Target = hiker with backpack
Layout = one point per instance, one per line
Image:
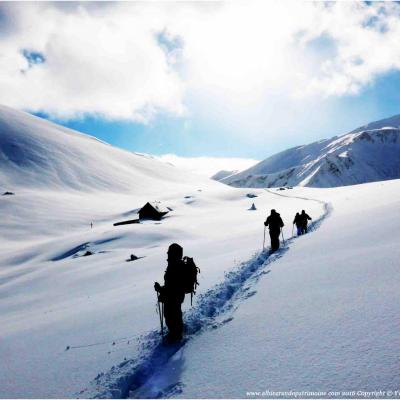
(298, 222)
(180, 278)
(304, 218)
(275, 224)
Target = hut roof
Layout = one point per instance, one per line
(157, 206)
(154, 209)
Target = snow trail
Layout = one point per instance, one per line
(134, 378)
(315, 223)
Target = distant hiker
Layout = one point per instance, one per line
(297, 221)
(91, 225)
(180, 278)
(304, 218)
(275, 224)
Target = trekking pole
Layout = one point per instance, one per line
(161, 314)
(264, 238)
(292, 229)
(283, 239)
(162, 318)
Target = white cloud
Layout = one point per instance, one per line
(365, 37)
(104, 62)
(109, 58)
(250, 49)
(209, 166)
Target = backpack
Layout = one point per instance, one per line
(190, 276)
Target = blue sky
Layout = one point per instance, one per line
(242, 79)
(215, 136)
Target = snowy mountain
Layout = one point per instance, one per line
(358, 157)
(35, 153)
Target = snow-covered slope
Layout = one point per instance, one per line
(360, 157)
(319, 321)
(63, 179)
(35, 153)
(223, 174)
(70, 318)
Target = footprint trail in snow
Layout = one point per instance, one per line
(146, 376)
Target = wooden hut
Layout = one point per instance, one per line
(152, 211)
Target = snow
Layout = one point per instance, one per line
(320, 313)
(37, 154)
(323, 316)
(81, 301)
(223, 174)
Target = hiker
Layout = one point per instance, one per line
(304, 218)
(297, 222)
(275, 223)
(172, 293)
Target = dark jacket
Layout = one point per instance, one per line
(297, 220)
(304, 218)
(274, 222)
(173, 289)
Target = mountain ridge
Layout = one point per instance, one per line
(360, 156)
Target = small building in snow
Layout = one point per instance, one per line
(152, 210)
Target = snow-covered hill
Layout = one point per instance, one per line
(223, 174)
(64, 180)
(359, 157)
(35, 153)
